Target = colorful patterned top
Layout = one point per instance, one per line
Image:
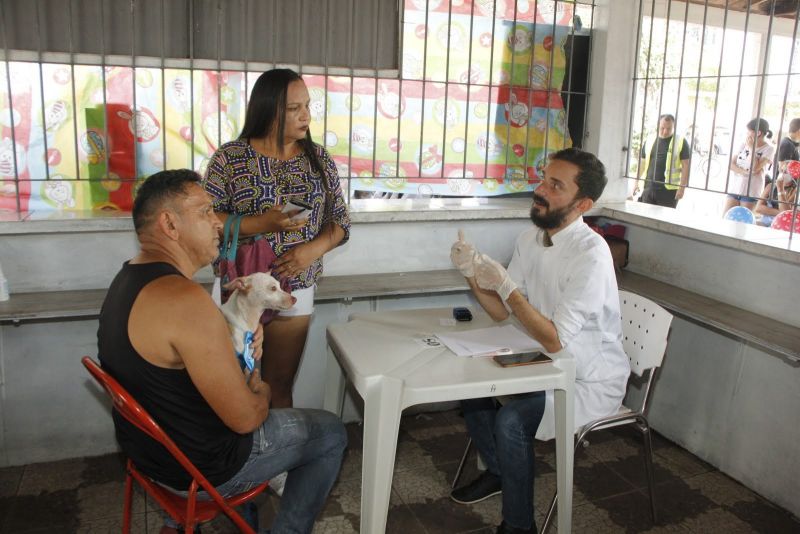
(241, 180)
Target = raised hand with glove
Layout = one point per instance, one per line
(462, 254)
(492, 276)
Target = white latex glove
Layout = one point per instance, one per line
(492, 276)
(462, 254)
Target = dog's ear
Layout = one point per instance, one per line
(245, 287)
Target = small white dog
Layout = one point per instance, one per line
(244, 307)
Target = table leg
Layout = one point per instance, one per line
(381, 426)
(333, 400)
(565, 428)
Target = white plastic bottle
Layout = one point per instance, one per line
(3, 286)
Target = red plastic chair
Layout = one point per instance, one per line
(186, 511)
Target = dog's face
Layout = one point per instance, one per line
(265, 292)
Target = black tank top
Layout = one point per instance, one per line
(168, 395)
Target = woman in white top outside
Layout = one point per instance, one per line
(746, 179)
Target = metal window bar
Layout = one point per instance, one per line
(134, 109)
(663, 73)
(468, 84)
(640, 18)
(550, 85)
(642, 137)
(446, 86)
(163, 90)
(375, 94)
(191, 85)
(40, 33)
(587, 93)
(680, 81)
(760, 82)
(74, 98)
(531, 90)
(219, 73)
(511, 88)
(716, 98)
(738, 89)
(491, 72)
(568, 73)
(103, 79)
(11, 121)
(697, 90)
(352, 83)
(424, 86)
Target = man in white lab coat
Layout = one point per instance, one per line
(561, 286)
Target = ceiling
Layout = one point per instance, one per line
(783, 8)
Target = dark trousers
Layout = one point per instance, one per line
(659, 196)
(504, 438)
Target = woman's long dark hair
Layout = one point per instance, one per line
(267, 105)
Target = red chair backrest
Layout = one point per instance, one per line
(131, 410)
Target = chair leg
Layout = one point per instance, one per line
(126, 511)
(461, 464)
(648, 464)
(548, 519)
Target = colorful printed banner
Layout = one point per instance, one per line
(471, 115)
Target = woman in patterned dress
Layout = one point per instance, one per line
(274, 161)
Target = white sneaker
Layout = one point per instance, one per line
(277, 483)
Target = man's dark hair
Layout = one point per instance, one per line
(591, 178)
(157, 189)
(668, 116)
(794, 125)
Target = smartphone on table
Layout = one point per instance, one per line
(521, 358)
(302, 208)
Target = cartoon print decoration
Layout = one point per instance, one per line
(416, 135)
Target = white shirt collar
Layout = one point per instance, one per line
(564, 234)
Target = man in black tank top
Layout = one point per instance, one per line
(167, 343)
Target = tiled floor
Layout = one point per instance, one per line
(610, 492)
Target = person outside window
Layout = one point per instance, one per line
(665, 166)
(748, 166)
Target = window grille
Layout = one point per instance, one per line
(483, 92)
(715, 65)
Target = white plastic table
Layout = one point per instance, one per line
(382, 355)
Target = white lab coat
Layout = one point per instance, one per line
(572, 283)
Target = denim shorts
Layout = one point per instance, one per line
(743, 198)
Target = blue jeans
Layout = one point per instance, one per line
(309, 444)
(504, 438)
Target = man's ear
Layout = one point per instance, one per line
(167, 223)
(584, 205)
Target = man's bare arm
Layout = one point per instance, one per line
(538, 326)
(181, 320)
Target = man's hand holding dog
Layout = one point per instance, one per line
(462, 254)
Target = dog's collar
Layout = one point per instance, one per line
(246, 357)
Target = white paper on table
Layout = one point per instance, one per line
(486, 341)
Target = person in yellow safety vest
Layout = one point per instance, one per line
(665, 164)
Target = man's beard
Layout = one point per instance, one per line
(551, 219)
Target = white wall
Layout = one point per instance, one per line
(731, 404)
(40, 363)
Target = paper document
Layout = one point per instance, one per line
(488, 341)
